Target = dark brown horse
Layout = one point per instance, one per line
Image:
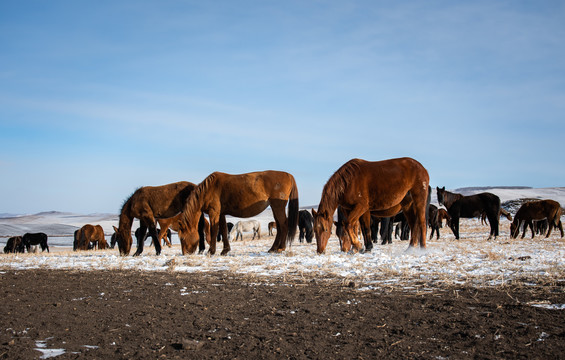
(535, 211)
(460, 206)
(14, 245)
(148, 204)
(242, 196)
(380, 188)
(88, 237)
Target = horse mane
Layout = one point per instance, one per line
(194, 200)
(337, 183)
(124, 217)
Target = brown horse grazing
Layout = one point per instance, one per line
(534, 211)
(148, 204)
(14, 245)
(460, 206)
(380, 188)
(90, 234)
(242, 196)
(173, 223)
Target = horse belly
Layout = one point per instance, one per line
(246, 211)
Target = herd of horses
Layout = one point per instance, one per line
(363, 193)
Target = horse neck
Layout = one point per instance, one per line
(328, 205)
(125, 223)
(193, 207)
(450, 198)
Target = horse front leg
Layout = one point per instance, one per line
(365, 222)
(351, 218)
(454, 226)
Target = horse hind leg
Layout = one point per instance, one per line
(279, 213)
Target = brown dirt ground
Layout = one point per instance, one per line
(163, 315)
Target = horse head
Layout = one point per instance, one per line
(188, 232)
(514, 229)
(322, 229)
(124, 241)
(440, 195)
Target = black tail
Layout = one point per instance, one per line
(292, 213)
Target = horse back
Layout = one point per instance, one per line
(474, 205)
(163, 201)
(387, 182)
(539, 210)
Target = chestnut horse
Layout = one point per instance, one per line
(173, 223)
(148, 204)
(460, 206)
(535, 211)
(90, 234)
(242, 196)
(380, 188)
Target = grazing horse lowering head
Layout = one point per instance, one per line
(322, 228)
(124, 242)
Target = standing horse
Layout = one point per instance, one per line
(87, 235)
(148, 204)
(35, 239)
(537, 210)
(305, 226)
(381, 188)
(245, 226)
(242, 196)
(459, 206)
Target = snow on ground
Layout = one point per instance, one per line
(471, 260)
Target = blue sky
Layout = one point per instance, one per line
(99, 98)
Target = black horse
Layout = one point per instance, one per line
(229, 225)
(401, 229)
(14, 245)
(305, 225)
(459, 206)
(40, 239)
(433, 221)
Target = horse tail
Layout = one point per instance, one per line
(557, 217)
(428, 202)
(293, 212)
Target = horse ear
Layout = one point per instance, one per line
(115, 228)
(314, 212)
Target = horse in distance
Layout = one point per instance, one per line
(460, 206)
(90, 237)
(305, 226)
(243, 196)
(379, 188)
(14, 245)
(539, 210)
(30, 239)
(246, 226)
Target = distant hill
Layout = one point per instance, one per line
(477, 189)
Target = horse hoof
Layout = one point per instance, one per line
(224, 252)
